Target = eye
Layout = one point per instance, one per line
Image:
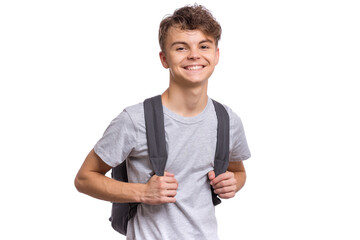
(180, 49)
(204, 47)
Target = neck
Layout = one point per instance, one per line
(186, 102)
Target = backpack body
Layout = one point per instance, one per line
(121, 213)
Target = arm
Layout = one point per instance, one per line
(230, 182)
(92, 181)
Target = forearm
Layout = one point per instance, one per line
(238, 169)
(102, 187)
(240, 178)
(91, 180)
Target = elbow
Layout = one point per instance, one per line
(79, 184)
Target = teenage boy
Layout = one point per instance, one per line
(177, 205)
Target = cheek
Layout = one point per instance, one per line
(216, 59)
(211, 58)
(174, 63)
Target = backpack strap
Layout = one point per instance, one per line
(155, 134)
(221, 161)
(121, 213)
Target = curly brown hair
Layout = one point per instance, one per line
(190, 18)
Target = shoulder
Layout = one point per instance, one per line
(135, 112)
(128, 118)
(239, 149)
(234, 118)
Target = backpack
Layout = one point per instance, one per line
(121, 213)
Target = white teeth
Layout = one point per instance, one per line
(194, 67)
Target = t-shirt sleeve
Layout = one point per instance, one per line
(239, 149)
(118, 141)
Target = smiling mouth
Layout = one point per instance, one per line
(194, 67)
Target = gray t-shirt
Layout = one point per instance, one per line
(191, 145)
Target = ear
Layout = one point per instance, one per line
(163, 59)
(217, 56)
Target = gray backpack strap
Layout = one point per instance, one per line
(155, 134)
(121, 213)
(221, 161)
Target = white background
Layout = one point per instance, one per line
(288, 68)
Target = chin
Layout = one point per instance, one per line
(190, 80)
(195, 82)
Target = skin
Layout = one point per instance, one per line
(191, 57)
(187, 92)
(92, 181)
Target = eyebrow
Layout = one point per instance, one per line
(175, 43)
(206, 41)
(185, 43)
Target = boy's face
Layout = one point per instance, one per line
(190, 55)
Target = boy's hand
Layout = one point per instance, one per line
(160, 189)
(224, 185)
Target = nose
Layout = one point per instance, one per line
(193, 54)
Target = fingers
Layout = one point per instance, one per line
(167, 174)
(170, 180)
(169, 200)
(161, 189)
(226, 178)
(224, 185)
(171, 186)
(224, 190)
(211, 175)
(171, 193)
(227, 195)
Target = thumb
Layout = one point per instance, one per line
(211, 175)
